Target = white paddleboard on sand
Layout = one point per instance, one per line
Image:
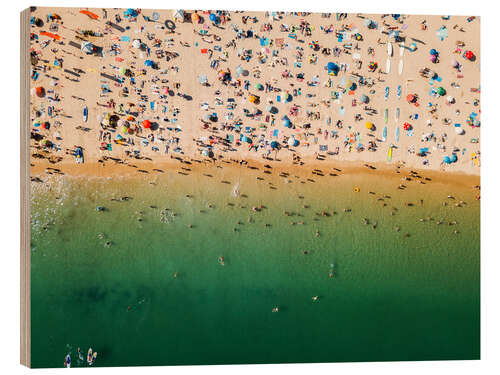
(402, 49)
(400, 67)
(388, 66)
(389, 49)
(396, 114)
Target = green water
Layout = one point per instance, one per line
(391, 297)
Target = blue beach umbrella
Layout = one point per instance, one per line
(274, 144)
(453, 158)
(286, 122)
(148, 63)
(447, 160)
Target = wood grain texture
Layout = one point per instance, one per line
(25, 341)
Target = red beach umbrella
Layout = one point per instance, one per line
(146, 124)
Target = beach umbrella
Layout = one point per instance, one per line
(195, 18)
(87, 47)
(274, 144)
(124, 129)
(411, 98)
(450, 99)
(202, 79)
(286, 122)
(407, 126)
(204, 152)
(364, 99)
(123, 70)
(469, 55)
(459, 130)
(288, 97)
(213, 17)
(372, 66)
(136, 43)
(148, 63)
(369, 125)
(40, 91)
(36, 124)
(179, 15)
(441, 91)
(433, 58)
(447, 160)
(146, 124)
(130, 13)
(259, 86)
(453, 158)
(454, 63)
(332, 68)
(253, 99)
(434, 52)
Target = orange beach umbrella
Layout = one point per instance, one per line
(90, 14)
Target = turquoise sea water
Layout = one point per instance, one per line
(391, 297)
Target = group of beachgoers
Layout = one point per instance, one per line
(264, 84)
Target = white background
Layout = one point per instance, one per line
(490, 147)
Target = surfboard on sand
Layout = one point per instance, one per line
(388, 66)
(389, 154)
(397, 134)
(389, 49)
(400, 67)
(386, 115)
(384, 134)
(402, 49)
(396, 114)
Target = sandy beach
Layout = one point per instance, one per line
(152, 93)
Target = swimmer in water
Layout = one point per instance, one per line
(221, 260)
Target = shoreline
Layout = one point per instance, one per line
(327, 169)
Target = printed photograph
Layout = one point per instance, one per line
(237, 187)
